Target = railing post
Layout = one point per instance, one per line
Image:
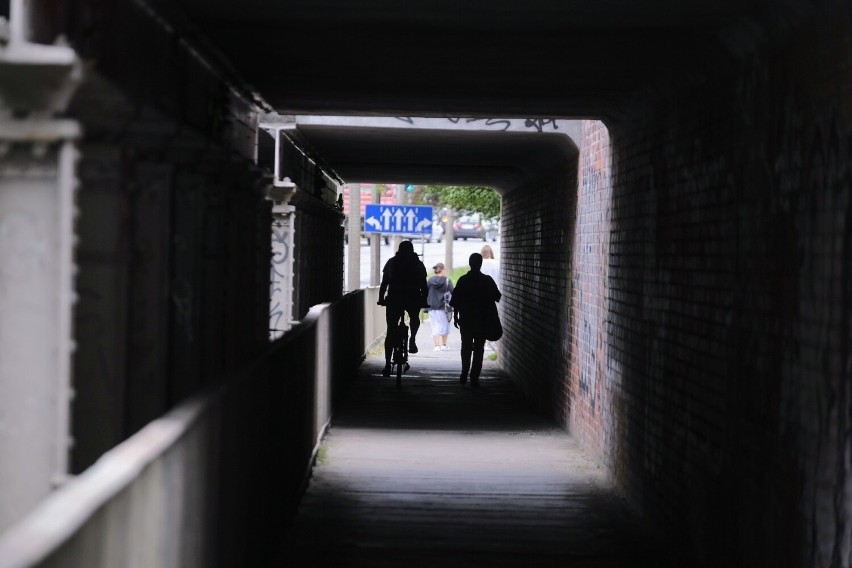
(281, 275)
(353, 278)
(37, 185)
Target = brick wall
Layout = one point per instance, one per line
(723, 367)
(537, 224)
(590, 414)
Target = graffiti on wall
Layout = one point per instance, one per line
(503, 124)
(540, 124)
(281, 277)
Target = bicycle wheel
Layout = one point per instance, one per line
(401, 353)
(401, 358)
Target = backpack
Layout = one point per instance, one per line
(447, 307)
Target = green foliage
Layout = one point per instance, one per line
(482, 200)
(458, 272)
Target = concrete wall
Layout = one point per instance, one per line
(717, 385)
(36, 302)
(374, 318)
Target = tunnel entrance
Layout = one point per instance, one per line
(543, 182)
(699, 298)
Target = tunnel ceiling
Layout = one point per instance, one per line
(529, 58)
(502, 160)
(466, 58)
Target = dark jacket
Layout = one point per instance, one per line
(438, 286)
(404, 280)
(474, 301)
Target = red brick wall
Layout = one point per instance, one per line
(537, 222)
(588, 385)
(715, 384)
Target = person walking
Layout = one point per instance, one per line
(491, 267)
(403, 289)
(475, 312)
(440, 290)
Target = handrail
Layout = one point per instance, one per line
(57, 518)
(163, 493)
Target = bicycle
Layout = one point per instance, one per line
(399, 351)
(399, 355)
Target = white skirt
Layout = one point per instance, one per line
(439, 323)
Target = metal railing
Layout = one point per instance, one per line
(213, 482)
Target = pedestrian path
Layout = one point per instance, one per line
(437, 474)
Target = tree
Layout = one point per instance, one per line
(473, 199)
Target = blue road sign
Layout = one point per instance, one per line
(398, 219)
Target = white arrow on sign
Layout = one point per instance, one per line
(386, 215)
(411, 217)
(398, 219)
(421, 226)
(373, 222)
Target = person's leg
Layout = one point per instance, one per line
(466, 350)
(414, 324)
(440, 328)
(392, 314)
(478, 347)
(436, 328)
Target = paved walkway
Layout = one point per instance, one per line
(437, 474)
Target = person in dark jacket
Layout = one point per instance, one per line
(440, 287)
(403, 289)
(473, 303)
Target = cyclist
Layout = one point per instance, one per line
(403, 289)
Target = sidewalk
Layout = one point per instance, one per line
(425, 344)
(437, 474)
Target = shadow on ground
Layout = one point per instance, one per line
(439, 474)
